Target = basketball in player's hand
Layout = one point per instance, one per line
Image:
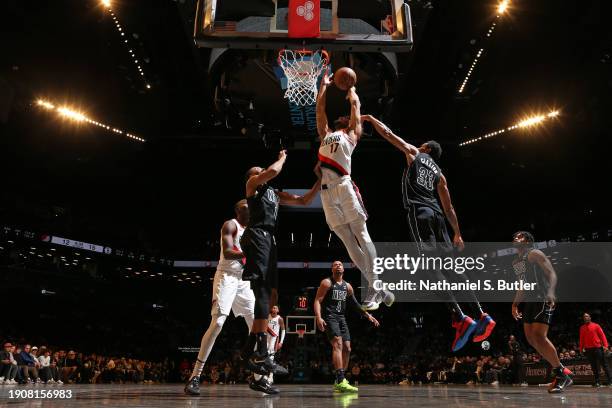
(345, 78)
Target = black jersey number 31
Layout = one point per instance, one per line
(426, 178)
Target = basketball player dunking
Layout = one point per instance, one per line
(259, 247)
(330, 308)
(421, 182)
(344, 210)
(276, 336)
(230, 292)
(532, 266)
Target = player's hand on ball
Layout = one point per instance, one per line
(458, 242)
(321, 324)
(515, 313)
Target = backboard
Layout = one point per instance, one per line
(306, 323)
(345, 25)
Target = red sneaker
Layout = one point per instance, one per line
(464, 329)
(484, 328)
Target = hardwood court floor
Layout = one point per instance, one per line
(320, 396)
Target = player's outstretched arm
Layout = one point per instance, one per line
(352, 300)
(449, 211)
(389, 136)
(539, 257)
(306, 199)
(355, 119)
(322, 124)
(321, 292)
(228, 232)
(268, 174)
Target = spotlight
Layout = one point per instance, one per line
(503, 7)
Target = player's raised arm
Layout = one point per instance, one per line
(352, 300)
(306, 199)
(321, 293)
(449, 211)
(389, 136)
(322, 124)
(266, 175)
(228, 246)
(355, 119)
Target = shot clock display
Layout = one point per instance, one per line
(302, 303)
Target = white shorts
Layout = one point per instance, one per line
(230, 292)
(342, 203)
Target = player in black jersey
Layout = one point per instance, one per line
(330, 308)
(532, 266)
(259, 248)
(423, 184)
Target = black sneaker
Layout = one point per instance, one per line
(262, 385)
(561, 381)
(193, 386)
(265, 365)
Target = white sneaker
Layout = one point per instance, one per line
(50, 381)
(13, 382)
(494, 383)
(388, 298)
(2, 379)
(372, 300)
(60, 382)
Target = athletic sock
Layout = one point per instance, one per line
(457, 313)
(339, 375)
(247, 350)
(262, 343)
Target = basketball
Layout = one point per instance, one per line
(345, 78)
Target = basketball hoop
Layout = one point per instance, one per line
(302, 69)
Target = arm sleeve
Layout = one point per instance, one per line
(281, 336)
(354, 304)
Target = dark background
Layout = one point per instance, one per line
(170, 195)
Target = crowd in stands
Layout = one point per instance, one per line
(28, 364)
(379, 356)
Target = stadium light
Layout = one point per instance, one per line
(525, 123)
(503, 7)
(68, 113)
(121, 31)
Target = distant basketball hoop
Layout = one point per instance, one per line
(302, 69)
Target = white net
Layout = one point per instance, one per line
(302, 70)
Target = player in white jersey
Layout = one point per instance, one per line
(276, 337)
(230, 292)
(344, 210)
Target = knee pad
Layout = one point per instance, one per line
(220, 320)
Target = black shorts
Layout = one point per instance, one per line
(537, 312)
(336, 327)
(259, 248)
(428, 228)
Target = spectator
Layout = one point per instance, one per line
(70, 367)
(44, 361)
(8, 365)
(517, 360)
(28, 365)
